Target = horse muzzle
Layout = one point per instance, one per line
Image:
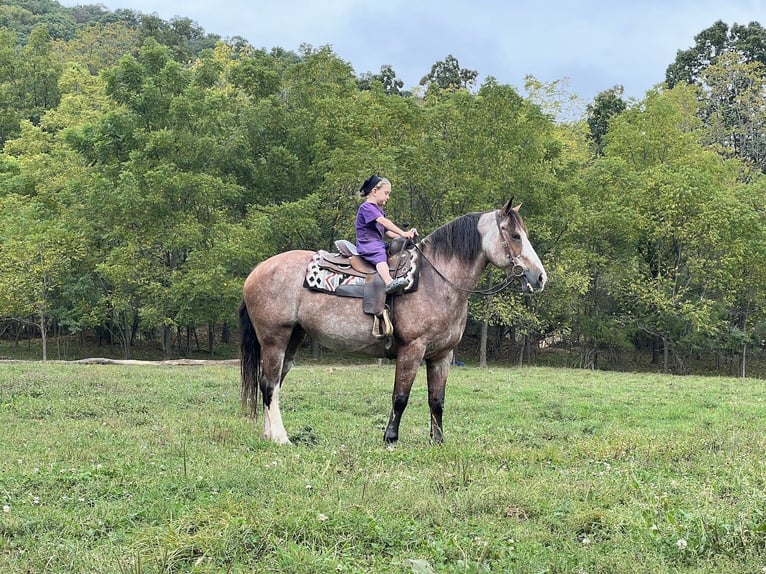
(532, 281)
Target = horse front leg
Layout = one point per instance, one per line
(406, 368)
(437, 371)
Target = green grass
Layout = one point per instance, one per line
(149, 469)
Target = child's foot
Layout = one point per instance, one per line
(396, 285)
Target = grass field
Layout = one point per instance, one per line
(149, 469)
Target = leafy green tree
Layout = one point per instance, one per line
(734, 117)
(313, 88)
(98, 46)
(729, 65)
(183, 37)
(22, 16)
(475, 152)
(746, 315)
(29, 266)
(167, 159)
(41, 251)
(39, 73)
(387, 77)
(447, 74)
(258, 75)
(28, 80)
(606, 105)
(677, 291)
(147, 85)
(593, 255)
(10, 86)
(689, 66)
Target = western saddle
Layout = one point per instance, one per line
(369, 286)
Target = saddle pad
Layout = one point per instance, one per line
(328, 280)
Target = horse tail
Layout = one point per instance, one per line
(250, 361)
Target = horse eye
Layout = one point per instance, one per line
(516, 236)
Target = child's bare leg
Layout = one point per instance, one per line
(385, 274)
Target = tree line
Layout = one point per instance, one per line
(146, 167)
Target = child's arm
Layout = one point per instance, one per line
(393, 230)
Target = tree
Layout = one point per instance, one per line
(447, 74)
(98, 46)
(42, 251)
(677, 288)
(747, 244)
(733, 110)
(148, 84)
(594, 255)
(10, 90)
(606, 105)
(729, 65)
(689, 66)
(39, 72)
(387, 77)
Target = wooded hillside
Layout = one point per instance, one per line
(146, 166)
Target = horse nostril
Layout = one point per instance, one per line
(542, 279)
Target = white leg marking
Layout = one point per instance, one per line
(266, 423)
(273, 428)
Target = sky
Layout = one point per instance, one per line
(587, 45)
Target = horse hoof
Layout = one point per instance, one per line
(280, 440)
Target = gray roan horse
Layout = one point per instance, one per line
(277, 312)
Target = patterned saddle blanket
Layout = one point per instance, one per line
(346, 274)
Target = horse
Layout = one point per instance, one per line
(277, 312)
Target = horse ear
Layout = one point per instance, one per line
(507, 207)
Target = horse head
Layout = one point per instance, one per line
(511, 250)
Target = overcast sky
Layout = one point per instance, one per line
(593, 44)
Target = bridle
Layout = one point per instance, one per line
(516, 271)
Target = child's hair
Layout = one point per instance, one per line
(371, 183)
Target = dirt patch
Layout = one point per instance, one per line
(188, 362)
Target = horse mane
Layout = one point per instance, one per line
(458, 238)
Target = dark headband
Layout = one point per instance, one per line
(370, 184)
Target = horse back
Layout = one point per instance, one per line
(276, 283)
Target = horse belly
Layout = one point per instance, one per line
(339, 324)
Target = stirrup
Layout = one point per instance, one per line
(388, 328)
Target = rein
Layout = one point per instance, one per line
(516, 271)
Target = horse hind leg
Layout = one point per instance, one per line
(276, 365)
(270, 383)
(273, 427)
(296, 340)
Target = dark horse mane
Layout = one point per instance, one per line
(460, 237)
